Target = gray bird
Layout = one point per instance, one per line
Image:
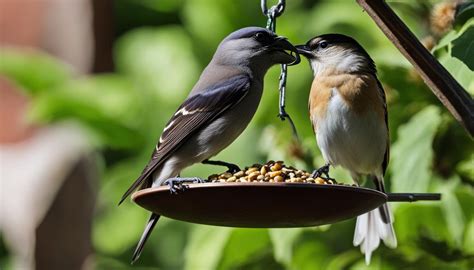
(218, 109)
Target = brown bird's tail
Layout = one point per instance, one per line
(373, 226)
(146, 233)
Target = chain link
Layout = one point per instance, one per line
(272, 13)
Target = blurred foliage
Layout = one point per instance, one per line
(162, 47)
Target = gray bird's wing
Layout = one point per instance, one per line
(196, 111)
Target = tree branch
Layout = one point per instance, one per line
(439, 80)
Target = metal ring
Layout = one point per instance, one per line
(279, 8)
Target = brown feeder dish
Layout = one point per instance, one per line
(267, 205)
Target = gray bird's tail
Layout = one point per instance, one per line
(373, 226)
(146, 233)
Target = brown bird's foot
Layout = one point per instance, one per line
(178, 184)
(232, 168)
(324, 170)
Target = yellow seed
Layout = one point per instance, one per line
(319, 180)
(225, 175)
(278, 178)
(273, 174)
(251, 170)
(231, 179)
(260, 177)
(263, 170)
(239, 174)
(221, 181)
(276, 167)
(253, 175)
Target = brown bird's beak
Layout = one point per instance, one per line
(304, 50)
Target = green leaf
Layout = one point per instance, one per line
(34, 71)
(465, 12)
(468, 244)
(445, 41)
(243, 246)
(105, 104)
(310, 255)
(465, 168)
(460, 72)
(283, 242)
(109, 233)
(206, 246)
(343, 260)
(423, 219)
(412, 153)
(451, 208)
(159, 60)
(463, 47)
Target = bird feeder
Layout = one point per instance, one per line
(284, 205)
(267, 205)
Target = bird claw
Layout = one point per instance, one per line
(232, 168)
(177, 185)
(324, 170)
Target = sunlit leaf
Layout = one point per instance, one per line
(460, 72)
(34, 71)
(283, 243)
(310, 255)
(206, 246)
(412, 153)
(118, 228)
(243, 246)
(161, 61)
(451, 208)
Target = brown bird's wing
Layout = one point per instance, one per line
(193, 114)
(387, 150)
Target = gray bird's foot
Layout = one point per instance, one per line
(178, 184)
(232, 168)
(324, 170)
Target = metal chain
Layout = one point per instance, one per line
(272, 13)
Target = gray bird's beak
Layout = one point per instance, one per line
(304, 50)
(283, 45)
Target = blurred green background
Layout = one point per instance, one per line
(159, 51)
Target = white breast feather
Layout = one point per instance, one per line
(355, 142)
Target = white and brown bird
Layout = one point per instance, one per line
(218, 109)
(348, 112)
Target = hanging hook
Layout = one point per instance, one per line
(279, 7)
(272, 13)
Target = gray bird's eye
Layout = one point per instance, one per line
(260, 36)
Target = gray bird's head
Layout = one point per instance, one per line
(336, 53)
(257, 48)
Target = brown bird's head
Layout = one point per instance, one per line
(336, 53)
